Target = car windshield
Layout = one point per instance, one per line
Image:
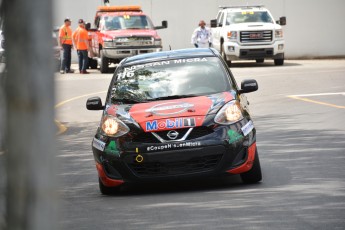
(169, 79)
(248, 17)
(127, 22)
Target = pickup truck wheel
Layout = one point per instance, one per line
(92, 63)
(279, 61)
(228, 62)
(261, 60)
(104, 65)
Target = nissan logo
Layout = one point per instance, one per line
(172, 134)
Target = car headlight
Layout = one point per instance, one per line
(230, 113)
(279, 33)
(232, 35)
(112, 126)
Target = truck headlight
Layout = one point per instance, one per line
(279, 33)
(158, 42)
(108, 43)
(230, 113)
(232, 35)
(112, 126)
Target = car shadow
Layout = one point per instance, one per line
(268, 63)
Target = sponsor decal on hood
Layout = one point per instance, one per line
(170, 114)
(175, 114)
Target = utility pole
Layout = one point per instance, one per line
(30, 147)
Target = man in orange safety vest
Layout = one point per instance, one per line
(65, 42)
(81, 43)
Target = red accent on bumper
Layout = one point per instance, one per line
(246, 166)
(106, 180)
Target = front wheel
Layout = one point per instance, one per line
(222, 52)
(254, 174)
(104, 64)
(105, 190)
(279, 61)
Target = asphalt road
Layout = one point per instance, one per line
(299, 115)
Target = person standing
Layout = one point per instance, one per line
(65, 42)
(202, 36)
(81, 43)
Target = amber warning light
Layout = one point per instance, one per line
(118, 8)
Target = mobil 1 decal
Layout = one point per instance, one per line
(166, 124)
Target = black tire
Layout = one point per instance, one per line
(254, 175)
(228, 62)
(93, 63)
(105, 190)
(279, 61)
(104, 65)
(261, 60)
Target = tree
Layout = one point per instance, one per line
(30, 132)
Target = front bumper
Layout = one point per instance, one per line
(123, 52)
(236, 51)
(214, 154)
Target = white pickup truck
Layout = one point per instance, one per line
(248, 32)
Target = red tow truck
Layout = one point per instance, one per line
(122, 31)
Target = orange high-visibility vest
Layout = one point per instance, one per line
(65, 33)
(81, 38)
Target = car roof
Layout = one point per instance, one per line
(171, 54)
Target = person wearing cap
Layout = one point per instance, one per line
(202, 36)
(81, 42)
(65, 42)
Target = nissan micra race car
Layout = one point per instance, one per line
(171, 115)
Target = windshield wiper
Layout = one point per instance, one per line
(172, 97)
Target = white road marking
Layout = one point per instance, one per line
(318, 94)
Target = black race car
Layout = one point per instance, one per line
(174, 114)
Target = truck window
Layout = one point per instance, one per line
(248, 17)
(221, 20)
(127, 22)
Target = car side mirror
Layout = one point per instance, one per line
(88, 26)
(248, 85)
(163, 26)
(213, 23)
(281, 21)
(94, 103)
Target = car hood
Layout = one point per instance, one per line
(171, 114)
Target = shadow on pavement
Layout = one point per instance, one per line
(268, 63)
(303, 186)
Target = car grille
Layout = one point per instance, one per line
(256, 36)
(196, 133)
(134, 41)
(196, 164)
